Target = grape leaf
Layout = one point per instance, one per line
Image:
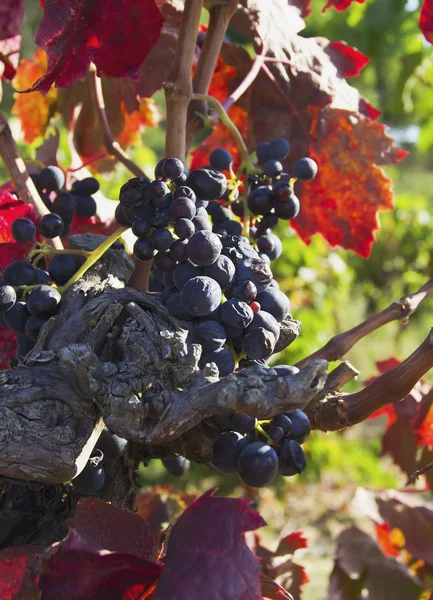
(106, 527)
(400, 441)
(33, 109)
(10, 209)
(290, 543)
(206, 553)
(90, 575)
(385, 540)
(11, 15)
(116, 35)
(361, 565)
(426, 20)
(15, 563)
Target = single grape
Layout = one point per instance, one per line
(279, 149)
(23, 230)
(200, 296)
(176, 465)
(228, 227)
(33, 327)
(275, 303)
(86, 207)
(16, 317)
(141, 228)
(85, 187)
(222, 270)
(260, 201)
(288, 209)
(245, 291)
(242, 423)
(124, 216)
(223, 360)
(283, 422)
(51, 178)
(159, 188)
(264, 320)
(210, 335)
(276, 433)
(255, 270)
(282, 191)
(236, 313)
(20, 272)
(161, 218)
(259, 343)
(185, 192)
(167, 278)
(112, 446)
(8, 297)
(218, 212)
(172, 168)
(237, 208)
(167, 292)
(164, 262)
(183, 272)
(258, 464)
(184, 228)
(291, 458)
(158, 168)
(208, 184)
(305, 169)
(272, 168)
(277, 247)
(135, 193)
(43, 301)
(90, 480)
(204, 247)
(178, 250)
(220, 159)
(36, 178)
(62, 267)
(225, 451)
(176, 309)
(143, 248)
(182, 208)
(161, 239)
(202, 223)
(301, 426)
(51, 225)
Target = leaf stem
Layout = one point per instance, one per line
(93, 258)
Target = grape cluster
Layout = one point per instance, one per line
(259, 450)
(64, 204)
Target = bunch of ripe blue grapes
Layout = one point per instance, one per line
(28, 292)
(212, 275)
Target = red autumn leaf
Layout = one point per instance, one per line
(272, 590)
(207, 556)
(340, 5)
(116, 35)
(292, 542)
(92, 225)
(400, 442)
(14, 565)
(8, 347)
(11, 15)
(425, 430)
(426, 20)
(105, 527)
(353, 61)
(80, 575)
(342, 201)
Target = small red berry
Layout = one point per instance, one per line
(255, 306)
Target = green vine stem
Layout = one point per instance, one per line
(92, 258)
(247, 164)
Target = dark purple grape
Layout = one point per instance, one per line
(86, 207)
(178, 251)
(90, 480)
(210, 335)
(33, 327)
(223, 360)
(237, 208)
(258, 464)
(185, 192)
(135, 193)
(225, 451)
(43, 301)
(282, 191)
(275, 303)
(220, 159)
(23, 230)
(141, 227)
(124, 216)
(200, 296)
(279, 149)
(183, 272)
(255, 270)
(260, 201)
(245, 291)
(143, 248)
(291, 458)
(262, 152)
(288, 209)
(64, 205)
(202, 223)
(161, 218)
(16, 317)
(162, 239)
(182, 208)
(276, 433)
(242, 423)
(204, 247)
(184, 228)
(51, 225)
(208, 184)
(63, 266)
(305, 169)
(266, 321)
(301, 426)
(236, 313)
(85, 187)
(175, 308)
(24, 344)
(51, 178)
(172, 168)
(164, 262)
(272, 168)
(20, 272)
(283, 422)
(222, 270)
(218, 212)
(258, 343)
(167, 292)
(159, 188)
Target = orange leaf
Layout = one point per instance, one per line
(33, 109)
(425, 431)
(385, 540)
(343, 200)
(146, 116)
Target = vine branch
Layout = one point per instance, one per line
(338, 412)
(418, 473)
(111, 145)
(178, 89)
(400, 309)
(18, 173)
